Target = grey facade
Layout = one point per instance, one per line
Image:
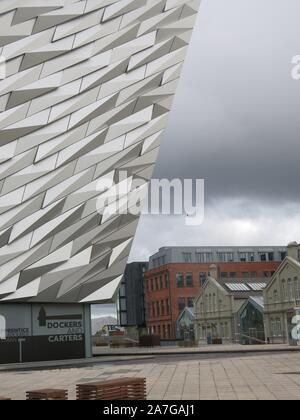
(282, 300)
(131, 305)
(89, 85)
(214, 254)
(220, 306)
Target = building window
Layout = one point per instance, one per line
(123, 305)
(201, 308)
(253, 274)
(233, 275)
(187, 257)
(267, 274)
(202, 278)
(153, 309)
(190, 302)
(162, 306)
(226, 330)
(290, 290)
(123, 319)
(168, 306)
(157, 309)
(276, 327)
(189, 280)
(161, 282)
(224, 275)
(166, 281)
(214, 303)
(263, 256)
(181, 304)
(225, 257)
(156, 283)
(284, 291)
(179, 280)
(297, 288)
(152, 285)
(282, 255)
(210, 309)
(276, 296)
(222, 330)
(243, 256)
(245, 275)
(271, 256)
(204, 257)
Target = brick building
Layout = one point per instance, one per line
(176, 274)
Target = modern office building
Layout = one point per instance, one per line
(216, 255)
(282, 300)
(131, 304)
(84, 102)
(228, 311)
(176, 275)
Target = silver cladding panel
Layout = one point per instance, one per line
(87, 93)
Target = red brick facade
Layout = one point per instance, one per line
(166, 292)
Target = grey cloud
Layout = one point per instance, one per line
(236, 120)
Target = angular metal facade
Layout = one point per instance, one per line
(88, 89)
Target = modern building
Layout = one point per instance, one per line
(131, 304)
(282, 300)
(216, 255)
(176, 275)
(84, 104)
(186, 325)
(250, 318)
(225, 311)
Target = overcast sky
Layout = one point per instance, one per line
(235, 123)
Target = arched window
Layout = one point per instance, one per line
(220, 305)
(284, 291)
(290, 291)
(297, 288)
(210, 303)
(214, 303)
(275, 296)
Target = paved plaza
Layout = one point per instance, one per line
(197, 377)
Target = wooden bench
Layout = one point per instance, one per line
(115, 389)
(47, 394)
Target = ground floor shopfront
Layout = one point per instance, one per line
(40, 332)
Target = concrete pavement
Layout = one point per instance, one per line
(273, 376)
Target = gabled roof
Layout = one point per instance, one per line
(257, 301)
(244, 288)
(190, 312)
(286, 262)
(238, 288)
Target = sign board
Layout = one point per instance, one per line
(113, 330)
(41, 332)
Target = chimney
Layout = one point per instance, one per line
(293, 250)
(214, 271)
